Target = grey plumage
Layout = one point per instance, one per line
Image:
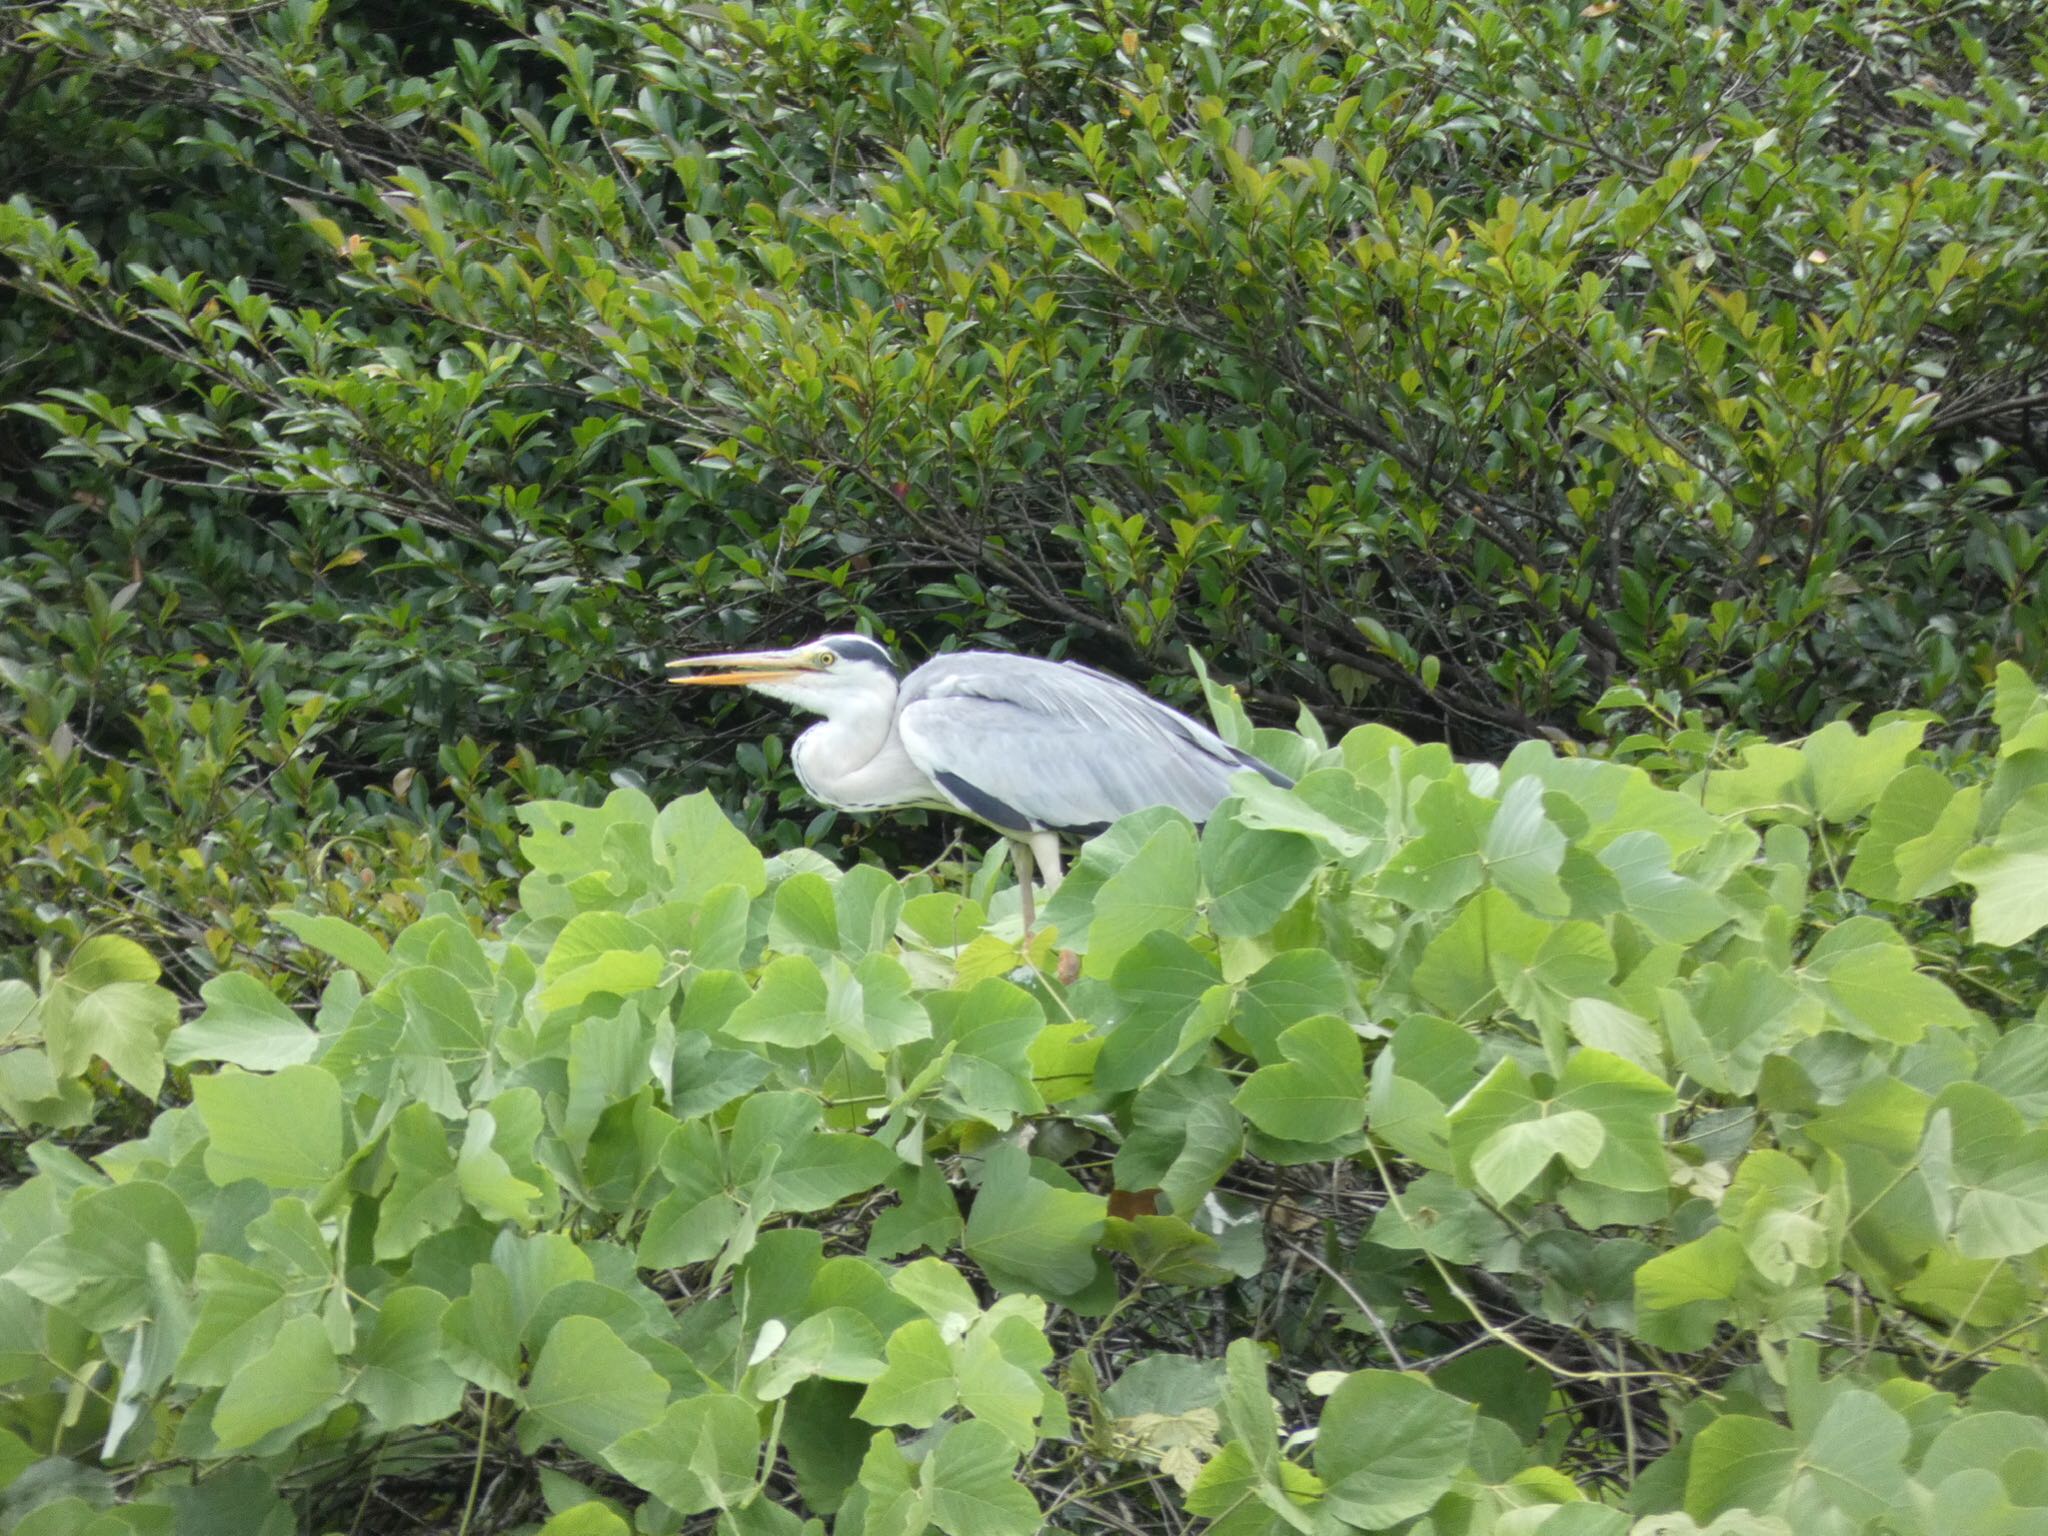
(1033, 748)
(1063, 747)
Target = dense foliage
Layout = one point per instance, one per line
(418, 1111)
(1553, 1147)
(1444, 365)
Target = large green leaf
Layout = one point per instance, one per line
(331, 935)
(123, 1023)
(1154, 892)
(787, 1008)
(284, 1130)
(244, 1025)
(1317, 1093)
(1523, 850)
(971, 1479)
(1739, 1462)
(589, 1389)
(98, 1269)
(1252, 876)
(1389, 1446)
(296, 1379)
(701, 1454)
(1028, 1234)
(403, 1379)
(701, 849)
(2011, 874)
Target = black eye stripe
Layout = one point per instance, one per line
(854, 648)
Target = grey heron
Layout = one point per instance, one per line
(1029, 747)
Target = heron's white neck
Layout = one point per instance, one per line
(853, 758)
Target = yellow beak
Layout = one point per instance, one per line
(739, 668)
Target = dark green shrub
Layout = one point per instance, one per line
(1421, 362)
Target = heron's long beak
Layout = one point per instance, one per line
(740, 668)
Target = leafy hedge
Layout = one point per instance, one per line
(1553, 1147)
(1430, 363)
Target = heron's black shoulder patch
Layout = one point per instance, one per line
(854, 648)
(999, 814)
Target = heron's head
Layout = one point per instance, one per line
(826, 676)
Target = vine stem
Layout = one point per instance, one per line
(476, 1470)
(1498, 1334)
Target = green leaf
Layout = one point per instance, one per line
(589, 1388)
(971, 1479)
(1685, 1294)
(1164, 1005)
(1442, 866)
(1438, 1216)
(1492, 937)
(425, 1195)
(403, 1380)
(805, 916)
(1029, 1235)
(485, 1177)
(1152, 894)
(123, 1023)
(296, 1379)
(284, 1130)
(354, 948)
(2006, 1215)
(1252, 876)
(98, 1269)
(1184, 1135)
(2011, 874)
(1849, 771)
(1318, 1093)
(1523, 850)
(1853, 1464)
(701, 849)
(821, 1170)
(480, 1333)
(1670, 906)
(701, 1454)
(591, 1518)
(1728, 1019)
(835, 1344)
(1773, 783)
(917, 1384)
(240, 1311)
(599, 952)
(1506, 1135)
(1739, 1462)
(1509, 1160)
(787, 1008)
(1872, 988)
(1920, 825)
(1389, 1447)
(244, 1025)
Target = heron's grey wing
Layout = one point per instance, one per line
(1029, 745)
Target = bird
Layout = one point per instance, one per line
(1034, 749)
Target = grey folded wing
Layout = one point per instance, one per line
(1028, 745)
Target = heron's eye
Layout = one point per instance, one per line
(825, 658)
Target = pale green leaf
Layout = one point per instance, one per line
(284, 1130)
(701, 1454)
(589, 1388)
(244, 1025)
(296, 1379)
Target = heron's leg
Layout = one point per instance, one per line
(1020, 855)
(1045, 848)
